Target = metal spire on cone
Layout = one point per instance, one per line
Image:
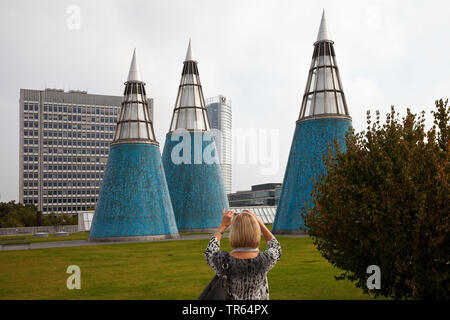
(323, 30)
(134, 74)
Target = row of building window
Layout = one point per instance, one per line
(71, 159)
(30, 167)
(68, 200)
(31, 124)
(62, 159)
(30, 201)
(73, 109)
(30, 150)
(30, 158)
(30, 141)
(78, 151)
(66, 151)
(30, 175)
(30, 192)
(70, 184)
(63, 209)
(71, 134)
(31, 107)
(30, 133)
(72, 176)
(82, 143)
(79, 118)
(252, 194)
(69, 126)
(255, 202)
(70, 192)
(81, 109)
(31, 116)
(69, 168)
(65, 168)
(30, 184)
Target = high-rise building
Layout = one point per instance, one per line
(64, 146)
(220, 118)
(324, 117)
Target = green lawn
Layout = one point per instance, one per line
(51, 237)
(159, 270)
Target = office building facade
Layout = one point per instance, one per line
(267, 194)
(220, 118)
(64, 146)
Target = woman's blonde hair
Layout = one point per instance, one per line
(245, 231)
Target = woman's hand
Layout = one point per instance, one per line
(227, 215)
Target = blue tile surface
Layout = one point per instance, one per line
(196, 189)
(134, 199)
(308, 147)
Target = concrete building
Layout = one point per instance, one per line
(267, 194)
(220, 118)
(134, 201)
(64, 146)
(323, 117)
(190, 158)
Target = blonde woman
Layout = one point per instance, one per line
(246, 267)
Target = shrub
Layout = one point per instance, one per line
(385, 202)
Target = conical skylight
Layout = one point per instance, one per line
(324, 95)
(134, 123)
(190, 112)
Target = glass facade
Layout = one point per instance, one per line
(65, 138)
(135, 122)
(324, 94)
(270, 196)
(190, 112)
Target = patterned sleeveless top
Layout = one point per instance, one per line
(248, 277)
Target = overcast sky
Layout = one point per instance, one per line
(257, 53)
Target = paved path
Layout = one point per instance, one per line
(80, 243)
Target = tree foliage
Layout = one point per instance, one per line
(385, 202)
(16, 215)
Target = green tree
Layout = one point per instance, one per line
(385, 202)
(14, 215)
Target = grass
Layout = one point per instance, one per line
(72, 236)
(159, 270)
(51, 237)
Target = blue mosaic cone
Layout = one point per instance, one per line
(196, 187)
(310, 144)
(323, 117)
(134, 201)
(190, 158)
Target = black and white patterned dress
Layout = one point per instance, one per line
(248, 277)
